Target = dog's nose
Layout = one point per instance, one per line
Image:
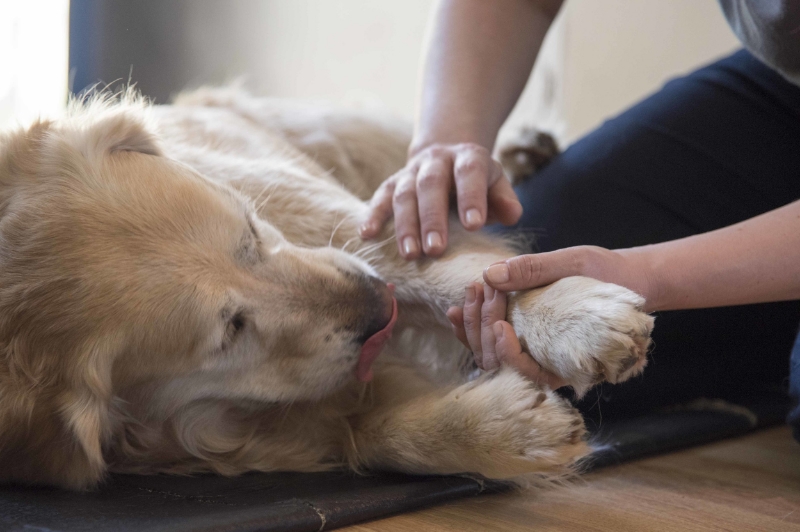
(379, 308)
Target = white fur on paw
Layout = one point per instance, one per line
(514, 427)
(583, 330)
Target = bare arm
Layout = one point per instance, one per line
(754, 261)
(479, 57)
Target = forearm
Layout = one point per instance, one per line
(480, 54)
(754, 261)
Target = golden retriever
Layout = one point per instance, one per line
(182, 289)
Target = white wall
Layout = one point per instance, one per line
(601, 56)
(618, 51)
(344, 50)
(33, 59)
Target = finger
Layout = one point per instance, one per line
(509, 351)
(434, 179)
(406, 218)
(493, 310)
(473, 302)
(468, 318)
(456, 317)
(471, 172)
(530, 271)
(380, 210)
(504, 206)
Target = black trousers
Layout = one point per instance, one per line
(710, 149)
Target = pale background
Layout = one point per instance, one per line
(601, 56)
(33, 58)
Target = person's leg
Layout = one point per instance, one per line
(708, 150)
(794, 389)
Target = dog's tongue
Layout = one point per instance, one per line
(372, 347)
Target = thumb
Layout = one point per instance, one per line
(530, 271)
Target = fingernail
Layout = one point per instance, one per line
(410, 246)
(470, 297)
(473, 217)
(499, 331)
(497, 273)
(434, 240)
(365, 228)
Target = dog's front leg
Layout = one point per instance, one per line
(499, 426)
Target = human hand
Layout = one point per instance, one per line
(419, 197)
(481, 326)
(625, 267)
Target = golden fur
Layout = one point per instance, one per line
(182, 289)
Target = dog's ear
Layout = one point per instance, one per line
(54, 416)
(93, 128)
(55, 366)
(105, 124)
(18, 151)
(120, 130)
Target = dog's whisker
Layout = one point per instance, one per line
(367, 249)
(336, 228)
(372, 248)
(344, 247)
(264, 189)
(264, 202)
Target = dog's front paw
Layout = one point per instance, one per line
(584, 331)
(510, 427)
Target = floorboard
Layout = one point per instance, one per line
(747, 483)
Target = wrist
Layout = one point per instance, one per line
(648, 267)
(425, 138)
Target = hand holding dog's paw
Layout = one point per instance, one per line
(481, 326)
(583, 330)
(577, 332)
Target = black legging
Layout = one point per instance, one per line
(710, 149)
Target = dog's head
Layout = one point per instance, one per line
(126, 274)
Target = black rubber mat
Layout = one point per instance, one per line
(705, 422)
(250, 503)
(324, 501)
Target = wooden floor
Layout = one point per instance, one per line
(749, 483)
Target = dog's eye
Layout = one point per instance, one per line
(235, 325)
